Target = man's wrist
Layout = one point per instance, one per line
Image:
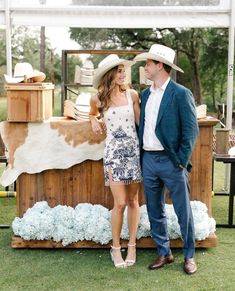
(181, 166)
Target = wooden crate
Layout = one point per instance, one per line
(29, 102)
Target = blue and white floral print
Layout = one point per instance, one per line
(121, 153)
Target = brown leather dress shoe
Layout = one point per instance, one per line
(161, 261)
(190, 266)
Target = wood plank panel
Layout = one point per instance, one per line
(66, 186)
(98, 191)
(81, 183)
(18, 242)
(27, 193)
(52, 187)
(201, 176)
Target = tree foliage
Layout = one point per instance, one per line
(2, 59)
(214, 64)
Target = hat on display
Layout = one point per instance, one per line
(25, 69)
(160, 53)
(107, 64)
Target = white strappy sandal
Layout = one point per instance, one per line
(116, 264)
(131, 262)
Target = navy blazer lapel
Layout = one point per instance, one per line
(165, 100)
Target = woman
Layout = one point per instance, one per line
(119, 110)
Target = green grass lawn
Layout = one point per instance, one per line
(3, 108)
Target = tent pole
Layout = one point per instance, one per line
(230, 67)
(8, 38)
(230, 83)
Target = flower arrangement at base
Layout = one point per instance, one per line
(66, 224)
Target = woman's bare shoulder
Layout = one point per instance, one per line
(134, 94)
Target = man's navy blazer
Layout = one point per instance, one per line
(176, 126)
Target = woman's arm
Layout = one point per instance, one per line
(93, 114)
(136, 106)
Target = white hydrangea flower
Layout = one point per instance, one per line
(39, 207)
(64, 224)
(101, 224)
(82, 214)
(172, 222)
(144, 225)
(93, 222)
(46, 225)
(29, 226)
(16, 225)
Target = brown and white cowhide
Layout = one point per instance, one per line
(58, 143)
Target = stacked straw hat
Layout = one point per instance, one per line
(23, 70)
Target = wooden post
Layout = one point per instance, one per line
(222, 140)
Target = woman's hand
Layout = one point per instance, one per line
(97, 127)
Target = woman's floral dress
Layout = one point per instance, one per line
(121, 152)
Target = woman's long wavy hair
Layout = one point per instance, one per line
(105, 89)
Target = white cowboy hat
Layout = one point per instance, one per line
(107, 64)
(160, 53)
(25, 69)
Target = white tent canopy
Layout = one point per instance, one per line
(144, 16)
(210, 13)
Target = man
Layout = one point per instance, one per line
(167, 132)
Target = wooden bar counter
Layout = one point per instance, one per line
(84, 182)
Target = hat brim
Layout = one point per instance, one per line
(13, 80)
(145, 56)
(36, 76)
(100, 72)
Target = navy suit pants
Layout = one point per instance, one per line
(159, 173)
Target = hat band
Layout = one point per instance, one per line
(19, 76)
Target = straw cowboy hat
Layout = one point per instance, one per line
(107, 64)
(25, 69)
(160, 53)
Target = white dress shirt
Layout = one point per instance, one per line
(150, 140)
